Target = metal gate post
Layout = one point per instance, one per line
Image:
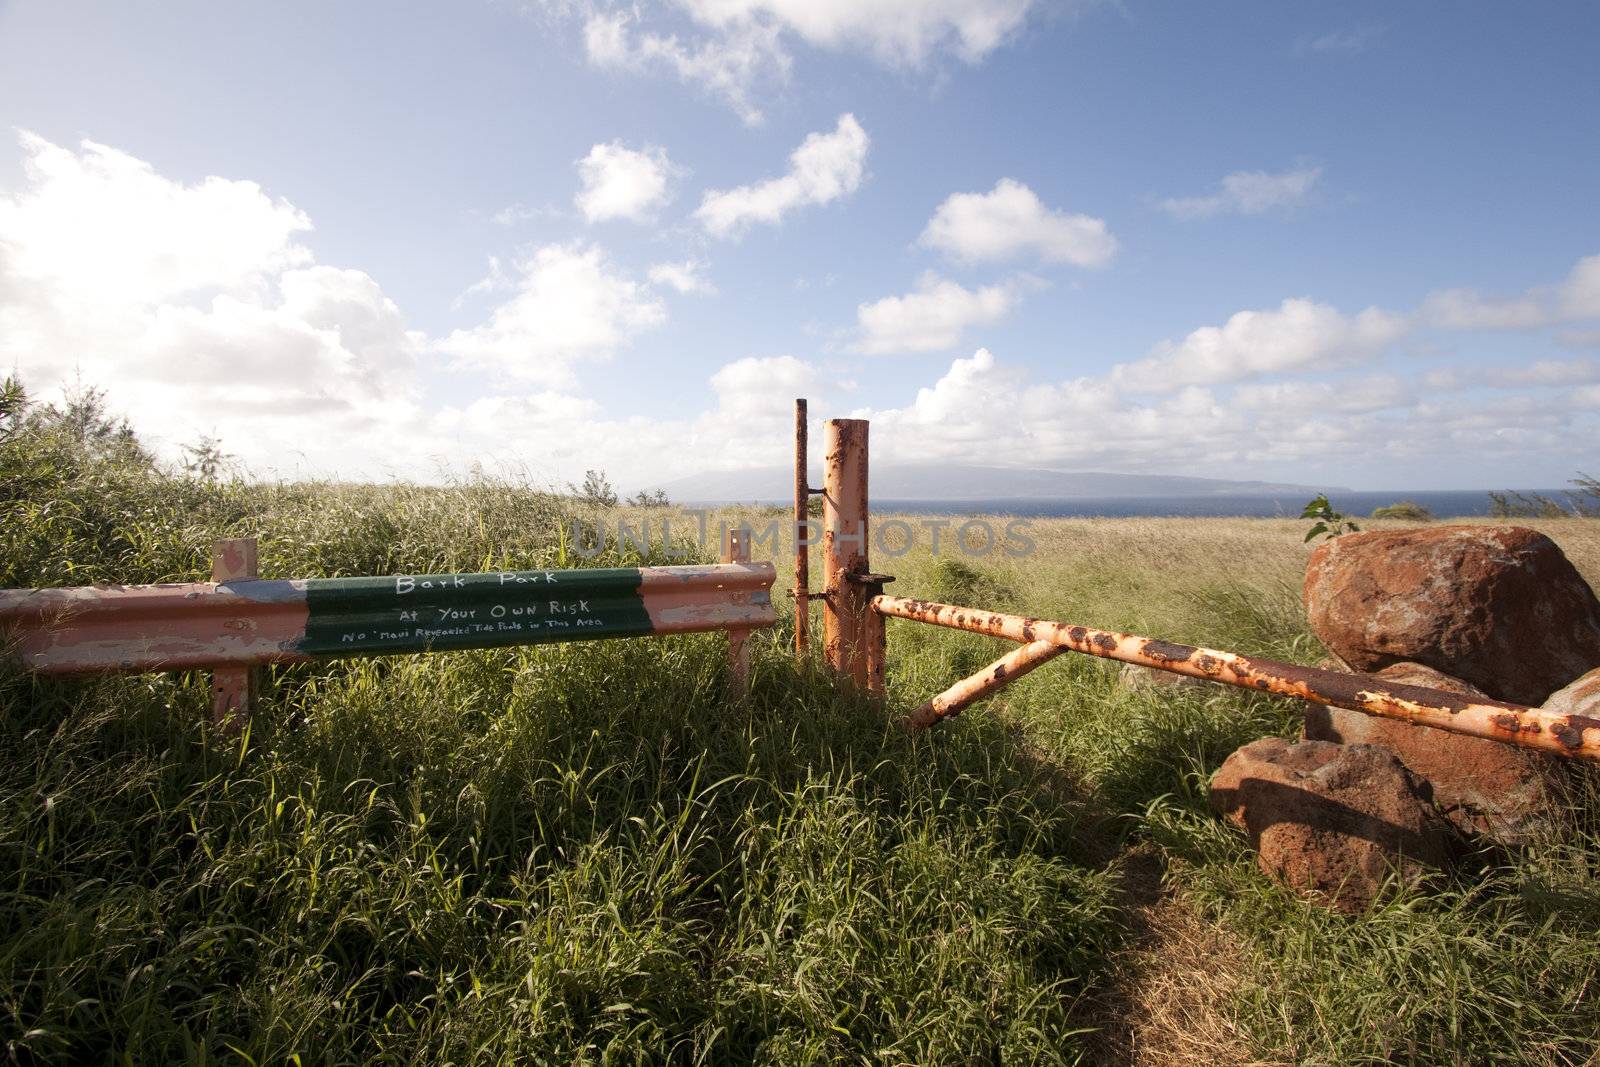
(234, 689)
(845, 624)
(802, 541)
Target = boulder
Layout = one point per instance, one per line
(1334, 821)
(1499, 607)
(1581, 700)
(1579, 697)
(1482, 786)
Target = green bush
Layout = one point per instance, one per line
(1404, 510)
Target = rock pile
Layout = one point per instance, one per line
(1477, 610)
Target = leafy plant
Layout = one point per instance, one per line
(1329, 522)
(643, 499)
(205, 459)
(596, 489)
(13, 405)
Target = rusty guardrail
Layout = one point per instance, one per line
(243, 621)
(1564, 735)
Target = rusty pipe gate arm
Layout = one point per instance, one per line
(1563, 735)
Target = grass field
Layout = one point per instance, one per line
(582, 854)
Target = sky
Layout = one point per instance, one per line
(1342, 244)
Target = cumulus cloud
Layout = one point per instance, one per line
(1574, 299)
(732, 66)
(624, 183)
(824, 168)
(686, 276)
(933, 317)
(1010, 221)
(568, 305)
(1248, 192)
(1349, 430)
(737, 49)
(1298, 336)
(1467, 309)
(193, 306)
(99, 224)
(1579, 295)
(894, 32)
(1540, 373)
(219, 320)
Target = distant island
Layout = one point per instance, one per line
(957, 482)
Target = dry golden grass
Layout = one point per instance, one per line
(1176, 992)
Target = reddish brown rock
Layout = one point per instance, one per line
(1332, 820)
(1480, 785)
(1497, 606)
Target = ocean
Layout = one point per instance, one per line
(1453, 503)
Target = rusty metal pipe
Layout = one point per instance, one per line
(844, 548)
(1008, 668)
(802, 560)
(1563, 735)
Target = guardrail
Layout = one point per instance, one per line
(239, 621)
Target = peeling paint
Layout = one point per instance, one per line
(1548, 731)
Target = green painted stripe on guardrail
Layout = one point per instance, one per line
(427, 612)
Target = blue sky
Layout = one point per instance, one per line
(1339, 244)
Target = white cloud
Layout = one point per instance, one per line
(624, 183)
(1575, 299)
(824, 168)
(1540, 373)
(1466, 309)
(1578, 338)
(197, 310)
(1347, 396)
(763, 387)
(1579, 295)
(731, 66)
(1346, 41)
(1299, 336)
(1010, 221)
(895, 32)
(686, 276)
(737, 49)
(517, 214)
(570, 305)
(1248, 192)
(1346, 431)
(218, 320)
(933, 317)
(98, 224)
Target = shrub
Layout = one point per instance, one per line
(1404, 510)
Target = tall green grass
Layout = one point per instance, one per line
(586, 854)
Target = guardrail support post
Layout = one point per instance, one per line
(844, 548)
(234, 689)
(736, 549)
